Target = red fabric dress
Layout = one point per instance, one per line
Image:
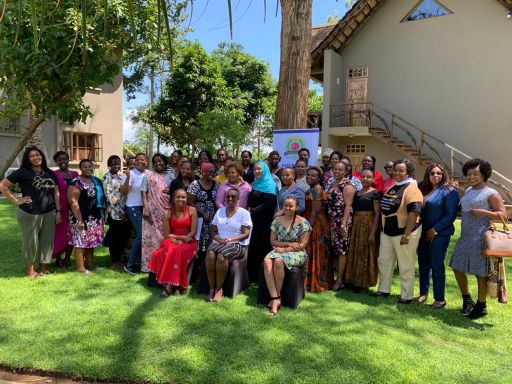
(170, 261)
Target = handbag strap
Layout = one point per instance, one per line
(503, 219)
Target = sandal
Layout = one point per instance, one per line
(218, 296)
(209, 297)
(272, 313)
(165, 293)
(422, 299)
(438, 304)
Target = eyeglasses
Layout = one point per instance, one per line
(229, 197)
(436, 173)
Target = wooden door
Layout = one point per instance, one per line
(357, 93)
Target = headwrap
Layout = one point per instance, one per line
(205, 167)
(265, 183)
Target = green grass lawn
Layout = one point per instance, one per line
(111, 326)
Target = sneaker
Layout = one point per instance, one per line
(130, 269)
(478, 311)
(467, 304)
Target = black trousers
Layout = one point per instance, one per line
(117, 238)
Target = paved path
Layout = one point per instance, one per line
(15, 378)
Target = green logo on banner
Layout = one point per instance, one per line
(293, 145)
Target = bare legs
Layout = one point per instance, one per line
(274, 277)
(84, 259)
(216, 269)
(342, 261)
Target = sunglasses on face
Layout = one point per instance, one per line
(436, 173)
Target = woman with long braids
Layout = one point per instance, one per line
(289, 238)
(38, 208)
(170, 261)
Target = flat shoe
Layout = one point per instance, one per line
(380, 294)
(422, 299)
(439, 306)
(403, 301)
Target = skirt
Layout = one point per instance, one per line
(362, 269)
(231, 251)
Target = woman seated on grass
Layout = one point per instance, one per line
(289, 237)
(170, 262)
(231, 228)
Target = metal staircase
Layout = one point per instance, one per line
(412, 142)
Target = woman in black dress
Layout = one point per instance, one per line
(261, 204)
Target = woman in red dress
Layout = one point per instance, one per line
(170, 262)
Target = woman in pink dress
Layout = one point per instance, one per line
(169, 263)
(61, 238)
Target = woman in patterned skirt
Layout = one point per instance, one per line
(340, 195)
(289, 237)
(87, 203)
(319, 276)
(480, 204)
(362, 270)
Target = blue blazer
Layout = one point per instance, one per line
(440, 211)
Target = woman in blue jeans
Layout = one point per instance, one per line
(440, 202)
(131, 183)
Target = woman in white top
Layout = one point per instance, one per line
(131, 187)
(231, 229)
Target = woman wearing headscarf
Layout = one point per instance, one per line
(261, 205)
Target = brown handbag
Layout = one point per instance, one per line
(497, 243)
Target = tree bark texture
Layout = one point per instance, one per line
(295, 64)
(25, 138)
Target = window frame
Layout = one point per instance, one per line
(93, 145)
(417, 5)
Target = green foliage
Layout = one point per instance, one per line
(52, 53)
(110, 326)
(315, 101)
(212, 100)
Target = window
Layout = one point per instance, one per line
(426, 9)
(355, 149)
(9, 126)
(83, 146)
(358, 72)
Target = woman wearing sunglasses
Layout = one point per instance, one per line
(439, 210)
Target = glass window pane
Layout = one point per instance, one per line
(427, 9)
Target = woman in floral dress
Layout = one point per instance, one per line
(339, 206)
(290, 235)
(155, 198)
(87, 203)
(319, 275)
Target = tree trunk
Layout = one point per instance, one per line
(34, 124)
(36, 139)
(295, 63)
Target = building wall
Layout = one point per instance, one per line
(449, 75)
(107, 106)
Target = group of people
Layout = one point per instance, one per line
(326, 218)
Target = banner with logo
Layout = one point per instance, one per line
(288, 142)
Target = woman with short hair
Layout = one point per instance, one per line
(38, 208)
(184, 178)
(61, 238)
(247, 166)
(300, 175)
(400, 208)
(234, 175)
(290, 188)
(87, 203)
(440, 202)
(289, 238)
(480, 204)
(340, 195)
(155, 198)
(119, 227)
(231, 228)
(369, 162)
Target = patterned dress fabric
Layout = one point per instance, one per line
(335, 211)
(293, 234)
(92, 235)
(319, 274)
(467, 256)
(153, 184)
(61, 236)
(205, 201)
(362, 269)
(170, 261)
